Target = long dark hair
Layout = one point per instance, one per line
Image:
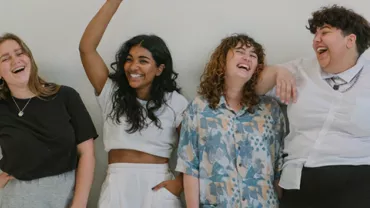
(124, 97)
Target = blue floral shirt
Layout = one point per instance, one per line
(236, 156)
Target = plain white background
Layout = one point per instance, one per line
(191, 28)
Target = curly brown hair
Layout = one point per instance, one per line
(212, 84)
(344, 19)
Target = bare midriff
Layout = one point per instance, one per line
(134, 156)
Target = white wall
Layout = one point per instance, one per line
(191, 28)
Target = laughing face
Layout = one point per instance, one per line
(15, 64)
(241, 63)
(331, 47)
(141, 68)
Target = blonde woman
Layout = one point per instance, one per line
(46, 136)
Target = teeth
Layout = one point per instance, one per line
(18, 69)
(321, 49)
(135, 75)
(246, 67)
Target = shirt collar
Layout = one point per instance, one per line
(222, 103)
(349, 74)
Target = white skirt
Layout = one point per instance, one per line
(129, 185)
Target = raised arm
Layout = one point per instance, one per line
(95, 68)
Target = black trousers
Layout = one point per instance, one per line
(331, 187)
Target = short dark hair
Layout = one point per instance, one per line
(344, 19)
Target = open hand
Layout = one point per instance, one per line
(286, 88)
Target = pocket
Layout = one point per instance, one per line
(168, 195)
(165, 199)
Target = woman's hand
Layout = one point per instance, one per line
(174, 186)
(4, 179)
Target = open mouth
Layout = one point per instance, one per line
(321, 50)
(19, 69)
(243, 66)
(135, 75)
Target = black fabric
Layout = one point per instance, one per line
(43, 142)
(331, 187)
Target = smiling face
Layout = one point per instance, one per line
(241, 63)
(332, 47)
(15, 64)
(141, 68)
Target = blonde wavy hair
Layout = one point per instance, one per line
(212, 83)
(36, 84)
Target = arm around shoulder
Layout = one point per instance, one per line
(267, 80)
(281, 78)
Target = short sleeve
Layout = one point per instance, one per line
(179, 103)
(278, 141)
(188, 153)
(105, 97)
(80, 118)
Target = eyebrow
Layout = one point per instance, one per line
(4, 55)
(7, 54)
(244, 49)
(143, 57)
(241, 47)
(325, 27)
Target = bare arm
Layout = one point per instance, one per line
(280, 77)
(191, 188)
(84, 174)
(267, 80)
(94, 66)
(174, 186)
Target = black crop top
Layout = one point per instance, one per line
(43, 142)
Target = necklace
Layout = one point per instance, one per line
(354, 81)
(21, 112)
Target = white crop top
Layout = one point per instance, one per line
(152, 140)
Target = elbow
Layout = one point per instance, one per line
(84, 48)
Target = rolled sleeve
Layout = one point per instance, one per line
(278, 142)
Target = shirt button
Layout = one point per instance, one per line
(240, 165)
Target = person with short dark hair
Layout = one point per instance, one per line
(327, 157)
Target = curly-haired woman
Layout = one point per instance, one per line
(230, 141)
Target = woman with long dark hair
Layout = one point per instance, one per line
(142, 110)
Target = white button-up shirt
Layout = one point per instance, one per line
(327, 126)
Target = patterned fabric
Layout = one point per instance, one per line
(236, 156)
